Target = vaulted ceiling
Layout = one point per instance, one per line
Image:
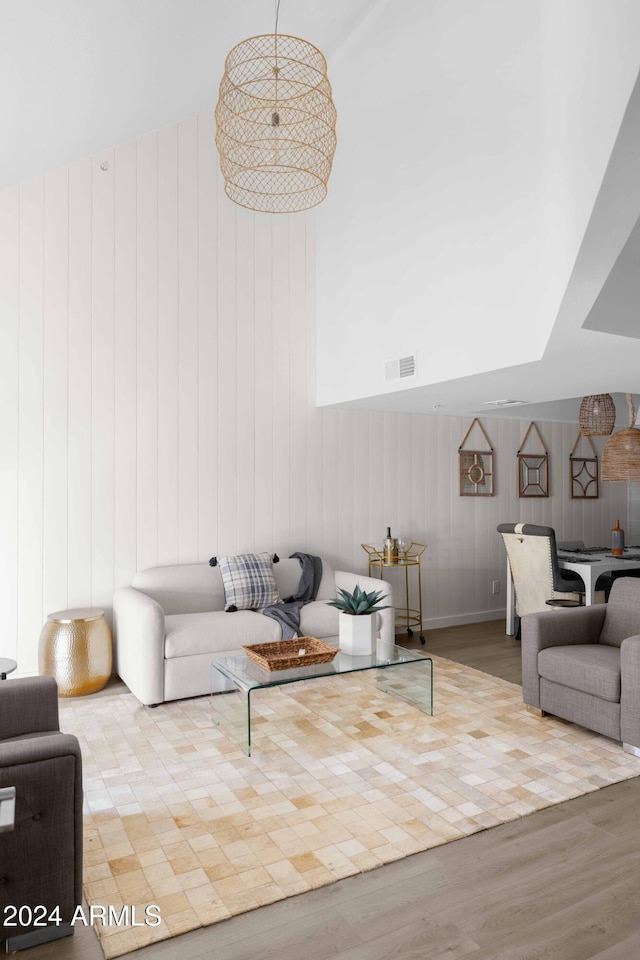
(77, 76)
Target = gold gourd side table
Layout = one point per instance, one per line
(75, 649)
(406, 616)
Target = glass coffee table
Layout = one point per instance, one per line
(407, 674)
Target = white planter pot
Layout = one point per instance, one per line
(357, 634)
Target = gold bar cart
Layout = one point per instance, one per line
(406, 617)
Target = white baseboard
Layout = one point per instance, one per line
(434, 623)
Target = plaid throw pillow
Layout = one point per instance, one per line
(249, 583)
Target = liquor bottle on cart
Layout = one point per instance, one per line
(390, 548)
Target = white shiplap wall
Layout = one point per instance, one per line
(157, 370)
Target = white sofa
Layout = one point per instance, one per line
(170, 624)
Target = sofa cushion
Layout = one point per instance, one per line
(187, 634)
(327, 588)
(183, 588)
(249, 583)
(198, 587)
(318, 619)
(288, 572)
(589, 667)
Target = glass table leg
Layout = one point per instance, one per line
(230, 712)
(248, 723)
(413, 685)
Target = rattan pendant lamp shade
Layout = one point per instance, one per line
(275, 124)
(597, 415)
(621, 455)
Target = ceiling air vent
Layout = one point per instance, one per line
(504, 403)
(401, 368)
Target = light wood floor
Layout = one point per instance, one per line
(561, 884)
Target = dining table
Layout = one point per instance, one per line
(589, 564)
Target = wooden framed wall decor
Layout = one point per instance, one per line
(583, 472)
(476, 467)
(533, 469)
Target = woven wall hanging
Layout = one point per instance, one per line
(532, 469)
(583, 472)
(476, 467)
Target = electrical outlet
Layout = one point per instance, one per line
(495, 587)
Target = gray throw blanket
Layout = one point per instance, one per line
(287, 613)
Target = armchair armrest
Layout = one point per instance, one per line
(28, 705)
(630, 691)
(7, 809)
(554, 628)
(42, 856)
(139, 643)
(49, 746)
(348, 581)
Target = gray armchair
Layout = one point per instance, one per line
(41, 799)
(583, 664)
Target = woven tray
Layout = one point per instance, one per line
(285, 654)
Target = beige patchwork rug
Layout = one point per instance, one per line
(343, 778)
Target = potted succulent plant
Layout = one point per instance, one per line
(358, 619)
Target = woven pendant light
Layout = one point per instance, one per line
(621, 455)
(275, 124)
(597, 415)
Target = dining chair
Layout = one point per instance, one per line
(533, 559)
